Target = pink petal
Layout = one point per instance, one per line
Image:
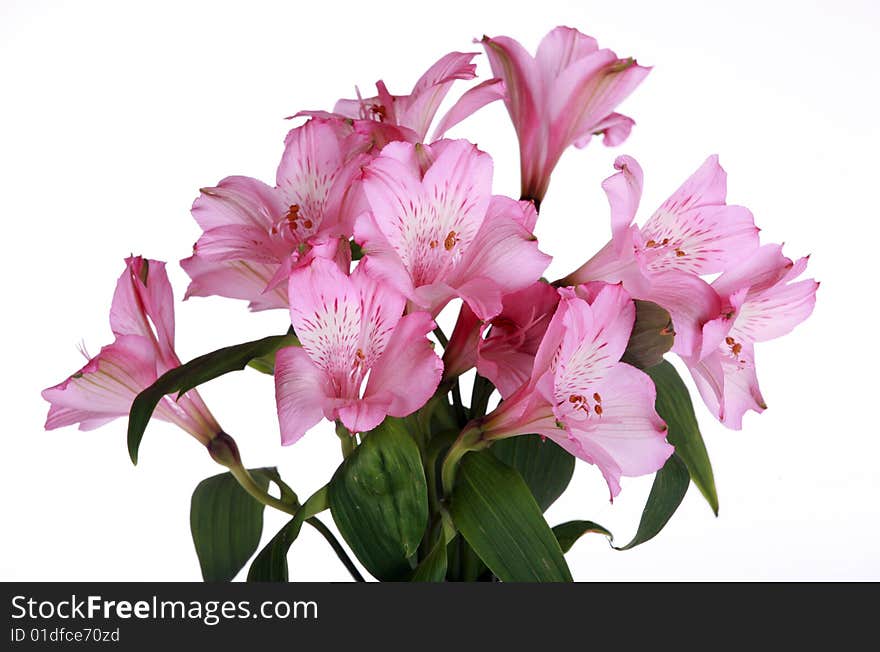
(143, 304)
(470, 102)
(515, 263)
(234, 279)
(106, 386)
(628, 438)
(432, 87)
(729, 388)
(460, 355)
(560, 48)
(506, 356)
(624, 192)
(690, 301)
(407, 373)
(238, 200)
(302, 392)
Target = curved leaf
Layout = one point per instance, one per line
(568, 533)
(670, 485)
(379, 500)
(545, 466)
(271, 564)
(433, 567)
(195, 372)
(496, 513)
(651, 336)
(226, 524)
(675, 407)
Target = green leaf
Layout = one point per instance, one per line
(496, 513)
(433, 567)
(271, 564)
(193, 373)
(379, 500)
(544, 465)
(568, 533)
(226, 524)
(675, 407)
(651, 336)
(670, 485)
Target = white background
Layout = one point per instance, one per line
(114, 114)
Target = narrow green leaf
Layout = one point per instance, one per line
(226, 524)
(271, 564)
(675, 407)
(379, 500)
(193, 373)
(544, 465)
(433, 567)
(670, 485)
(651, 336)
(496, 513)
(568, 533)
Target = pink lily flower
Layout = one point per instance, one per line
(562, 96)
(581, 396)
(142, 319)
(255, 233)
(433, 220)
(360, 360)
(760, 301)
(504, 348)
(693, 233)
(409, 117)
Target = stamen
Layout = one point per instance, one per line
(679, 253)
(598, 409)
(597, 398)
(450, 241)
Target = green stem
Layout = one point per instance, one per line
(337, 547)
(247, 482)
(441, 337)
(346, 439)
(480, 395)
(470, 439)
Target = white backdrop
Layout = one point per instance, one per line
(114, 114)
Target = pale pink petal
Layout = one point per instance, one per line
(234, 279)
(586, 93)
(143, 304)
(728, 385)
(302, 392)
(515, 261)
(689, 300)
(240, 242)
(407, 373)
(432, 87)
(524, 94)
(106, 386)
(628, 437)
(362, 416)
(314, 175)
(624, 192)
(560, 48)
(238, 200)
(469, 103)
(615, 129)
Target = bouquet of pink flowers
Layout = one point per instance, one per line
(371, 228)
